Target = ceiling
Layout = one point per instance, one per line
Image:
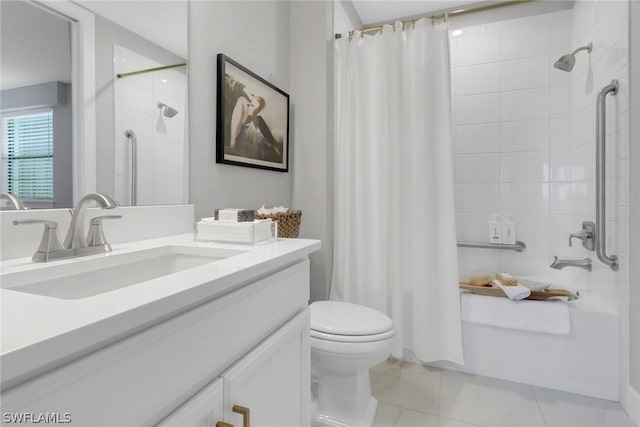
(374, 12)
(378, 11)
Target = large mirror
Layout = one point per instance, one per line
(137, 147)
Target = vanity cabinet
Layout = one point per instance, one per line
(203, 410)
(271, 382)
(248, 347)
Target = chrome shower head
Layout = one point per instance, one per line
(166, 110)
(566, 62)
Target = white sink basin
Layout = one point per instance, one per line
(89, 277)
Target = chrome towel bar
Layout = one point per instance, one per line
(518, 246)
(600, 236)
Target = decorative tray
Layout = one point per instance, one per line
(535, 295)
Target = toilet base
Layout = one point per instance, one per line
(343, 398)
(319, 420)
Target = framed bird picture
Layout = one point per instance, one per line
(252, 119)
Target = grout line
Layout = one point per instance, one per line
(535, 396)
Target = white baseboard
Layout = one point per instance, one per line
(631, 404)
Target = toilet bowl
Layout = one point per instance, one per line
(346, 341)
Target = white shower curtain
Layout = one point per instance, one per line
(395, 241)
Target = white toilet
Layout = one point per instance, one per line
(346, 341)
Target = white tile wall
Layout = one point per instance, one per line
(524, 135)
(478, 49)
(517, 114)
(482, 138)
(161, 140)
(605, 23)
(476, 109)
(508, 130)
(477, 79)
(525, 41)
(525, 73)
(528, 104)
(535, 124)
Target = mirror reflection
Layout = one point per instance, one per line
(148, 167)
(35, 109)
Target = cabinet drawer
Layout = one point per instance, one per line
(143, 378)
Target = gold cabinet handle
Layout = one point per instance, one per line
(245, 414)
(223, 424)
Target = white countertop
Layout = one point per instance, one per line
(40, 333)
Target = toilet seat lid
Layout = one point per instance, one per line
(342, 318)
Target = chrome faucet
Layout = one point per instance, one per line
(13, 201)
(75, 244)
(75, 236)
(559, 264)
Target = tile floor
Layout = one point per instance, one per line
(411, 395)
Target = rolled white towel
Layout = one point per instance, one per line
(534, 283)
(516, 292)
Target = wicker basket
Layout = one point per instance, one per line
(288, 222)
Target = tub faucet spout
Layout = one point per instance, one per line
(559, 264)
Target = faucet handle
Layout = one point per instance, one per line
(47, 223)
(582, 235)
(96, 237)
(587, 235)
(50, 241)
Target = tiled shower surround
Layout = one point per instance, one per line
(524, 136)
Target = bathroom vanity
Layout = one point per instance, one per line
(192, 341)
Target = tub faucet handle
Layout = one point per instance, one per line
(582, 235)
(586, 235)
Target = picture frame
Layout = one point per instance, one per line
(252, 126)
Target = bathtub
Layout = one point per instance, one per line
(585, 362)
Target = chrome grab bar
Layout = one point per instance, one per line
(600, 236)
(134, 165)
(518, 246)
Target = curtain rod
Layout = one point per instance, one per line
(149, 70)
(447, 14)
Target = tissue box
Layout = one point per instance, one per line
(234, 215)
(256, 231)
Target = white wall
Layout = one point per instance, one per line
(255, 34)
(511, 113)
(606, 24)
(525, 144)
(311, 56)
